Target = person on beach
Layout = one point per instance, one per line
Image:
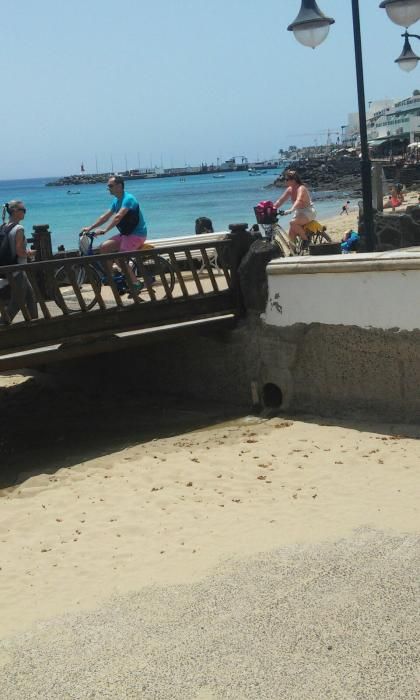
(125, 214)
(350, 241)
(345, 208)
(22, 292)
(395, 199)
(302, 209)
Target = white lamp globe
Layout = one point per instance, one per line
(402, 12)
(408, 65)
(311, 35)
(311, 26)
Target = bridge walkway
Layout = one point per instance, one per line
(84, 318)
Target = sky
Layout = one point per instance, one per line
(174, 82)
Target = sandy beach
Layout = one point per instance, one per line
(99, 529)
(338, 225)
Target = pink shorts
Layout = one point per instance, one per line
(127, 243)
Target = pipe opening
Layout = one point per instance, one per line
(272, 396)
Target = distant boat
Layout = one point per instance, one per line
(253, 172)
(70, 192)
(217, 176)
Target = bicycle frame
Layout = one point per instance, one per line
(276, 233)
(119, 278)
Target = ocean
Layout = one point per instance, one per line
(170, 205)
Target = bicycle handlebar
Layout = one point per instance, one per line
(89, 234)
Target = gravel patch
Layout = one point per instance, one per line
(337, 620)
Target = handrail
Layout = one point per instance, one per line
(87, 259)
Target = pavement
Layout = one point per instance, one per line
(334, 620)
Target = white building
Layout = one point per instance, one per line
(352, 133)
(391, 124)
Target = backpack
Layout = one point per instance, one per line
(129, 221)
(6, 257)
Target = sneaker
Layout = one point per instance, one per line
(138, 287)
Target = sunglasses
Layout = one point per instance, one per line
(21, 209)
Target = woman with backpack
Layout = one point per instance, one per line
(14, 252)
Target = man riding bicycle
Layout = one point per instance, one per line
(125, 214)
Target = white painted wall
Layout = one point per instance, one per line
(371, 290)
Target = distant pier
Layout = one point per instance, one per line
(93, 179)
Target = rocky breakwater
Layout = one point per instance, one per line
(71, 180)
(328, 176)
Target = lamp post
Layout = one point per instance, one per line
(310, 28)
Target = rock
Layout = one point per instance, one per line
(252, 274)
(338, 174)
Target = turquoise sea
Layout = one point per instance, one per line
(170, 205)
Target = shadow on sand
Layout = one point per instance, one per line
(61, 417)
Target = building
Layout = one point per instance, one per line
(391, 126)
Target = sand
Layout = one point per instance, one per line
(168, 510)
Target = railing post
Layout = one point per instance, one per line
(41, 243)
(41, 240)
(241, 240)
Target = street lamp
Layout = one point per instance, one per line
(311, 26)
(312, 22)
(407, 60)
(402, 12)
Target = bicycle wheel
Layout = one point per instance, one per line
(88, 282)
(155, 268)
(320, 237)
(301, 246)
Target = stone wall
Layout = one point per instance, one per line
(398, 230)
(327, 370)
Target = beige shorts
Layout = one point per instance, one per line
(308, 212)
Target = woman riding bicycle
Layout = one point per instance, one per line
(302, 208)
(126, 216)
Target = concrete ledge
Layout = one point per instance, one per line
(201, 239)
(366, 262)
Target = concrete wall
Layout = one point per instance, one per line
(339, 336)
(317, 368)
(368, 290)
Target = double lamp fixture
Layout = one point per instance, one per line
(311, 26)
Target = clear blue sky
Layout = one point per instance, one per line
(179, 81)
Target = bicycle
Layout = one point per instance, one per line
(316, 233)
(74, 281)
